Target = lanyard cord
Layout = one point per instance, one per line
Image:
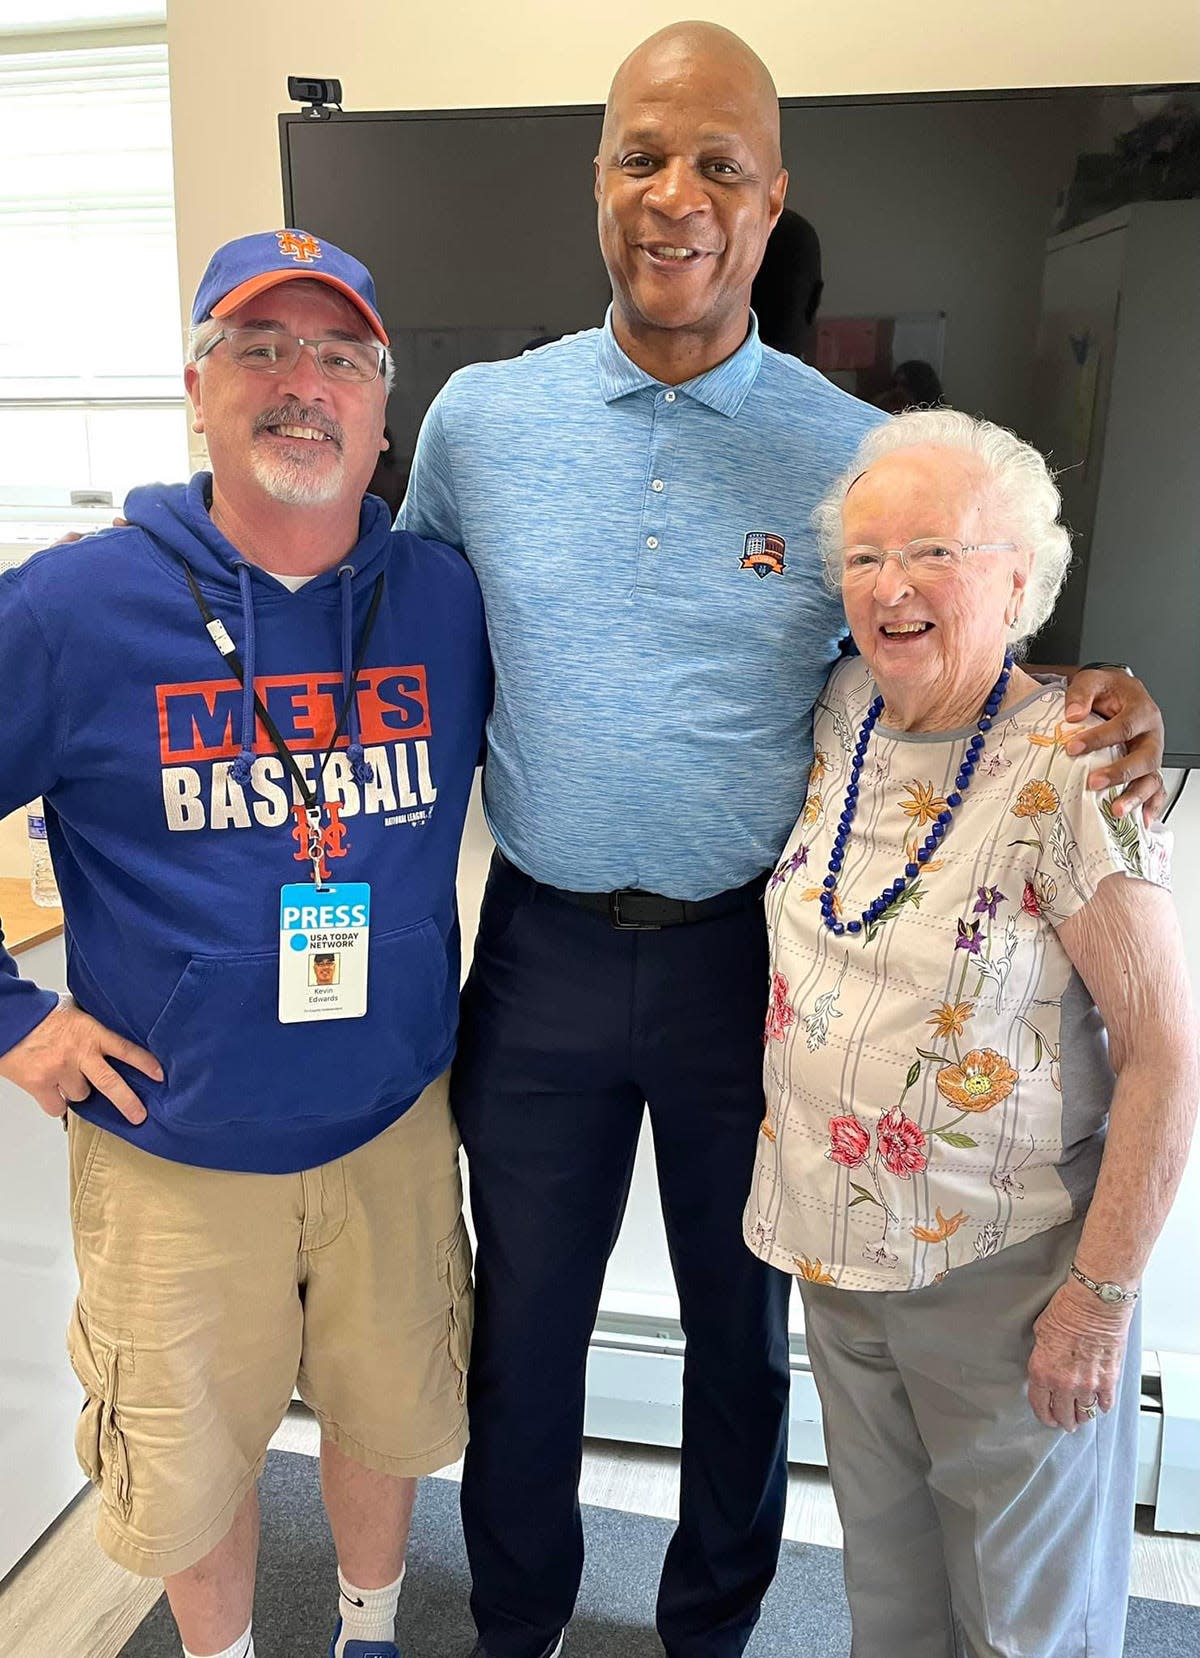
(219, 634)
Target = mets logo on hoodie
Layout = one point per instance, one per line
(762, 552)
(199, 743)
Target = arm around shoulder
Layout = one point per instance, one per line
(1133, 720)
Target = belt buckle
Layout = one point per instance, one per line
(616, 919)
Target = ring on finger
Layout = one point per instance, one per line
(1090, 1409)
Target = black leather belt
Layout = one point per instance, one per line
(632, 910)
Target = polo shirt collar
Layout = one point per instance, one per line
(723, 388)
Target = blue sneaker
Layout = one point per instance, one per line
(364, 1649)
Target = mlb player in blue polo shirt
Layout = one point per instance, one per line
(635, 501)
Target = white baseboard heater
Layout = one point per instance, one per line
(634, 1394)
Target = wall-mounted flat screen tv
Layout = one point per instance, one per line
(1033, 257)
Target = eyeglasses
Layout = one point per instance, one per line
(267, 351)
(928, 557)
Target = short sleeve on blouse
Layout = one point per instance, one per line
(1086, 841)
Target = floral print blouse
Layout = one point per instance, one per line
(937, 1086)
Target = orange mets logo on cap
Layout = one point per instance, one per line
(762, 552)
(298, 245)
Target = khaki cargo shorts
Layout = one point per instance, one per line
(206, 1296)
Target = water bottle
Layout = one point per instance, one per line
(43, 886)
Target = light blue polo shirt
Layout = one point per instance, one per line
(658, 622)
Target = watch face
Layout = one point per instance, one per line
(1110, 1292)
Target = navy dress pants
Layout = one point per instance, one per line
(570, 1028)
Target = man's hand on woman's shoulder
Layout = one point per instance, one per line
(1131, 720)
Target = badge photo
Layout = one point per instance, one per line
(324, 937)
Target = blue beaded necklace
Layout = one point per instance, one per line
(944, 819)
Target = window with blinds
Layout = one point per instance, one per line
(91, 362)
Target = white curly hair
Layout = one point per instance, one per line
(1021, 493)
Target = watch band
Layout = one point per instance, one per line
(1121, 667)
(1113, 1295)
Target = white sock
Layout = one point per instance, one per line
(243, 1647)
(367, 1614)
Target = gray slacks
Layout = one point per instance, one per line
(971, 1529)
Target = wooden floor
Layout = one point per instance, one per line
(68, 1599)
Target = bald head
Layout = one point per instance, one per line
(689, 50)
(688, 186)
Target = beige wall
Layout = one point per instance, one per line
(230, 60)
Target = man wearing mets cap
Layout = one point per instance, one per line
(242, 270)
(241, 717)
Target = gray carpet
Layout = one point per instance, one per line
(805, 1614)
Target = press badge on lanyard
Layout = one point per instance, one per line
(324, 934)
(324, 929)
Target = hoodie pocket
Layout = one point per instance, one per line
(228, 1059)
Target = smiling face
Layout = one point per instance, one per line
(688, 185)
(298, 438)
(933, 643)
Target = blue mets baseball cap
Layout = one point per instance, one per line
(252, 264)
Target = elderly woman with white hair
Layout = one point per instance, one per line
(964, 1173)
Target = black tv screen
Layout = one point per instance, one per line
(1032, 257)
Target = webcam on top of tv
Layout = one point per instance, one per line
(320, 97)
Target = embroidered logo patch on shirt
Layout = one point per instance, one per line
(763, 553)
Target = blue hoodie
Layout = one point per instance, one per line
(171, 823)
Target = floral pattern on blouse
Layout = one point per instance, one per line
(913, 1073)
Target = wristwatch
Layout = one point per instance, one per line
(1113, 1295)
(1121, 667)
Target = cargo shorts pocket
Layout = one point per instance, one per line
(456, 1273)
(99, 1361)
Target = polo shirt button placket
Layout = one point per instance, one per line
(653, 516)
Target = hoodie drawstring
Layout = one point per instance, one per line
(240, 770)
(360, 768)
